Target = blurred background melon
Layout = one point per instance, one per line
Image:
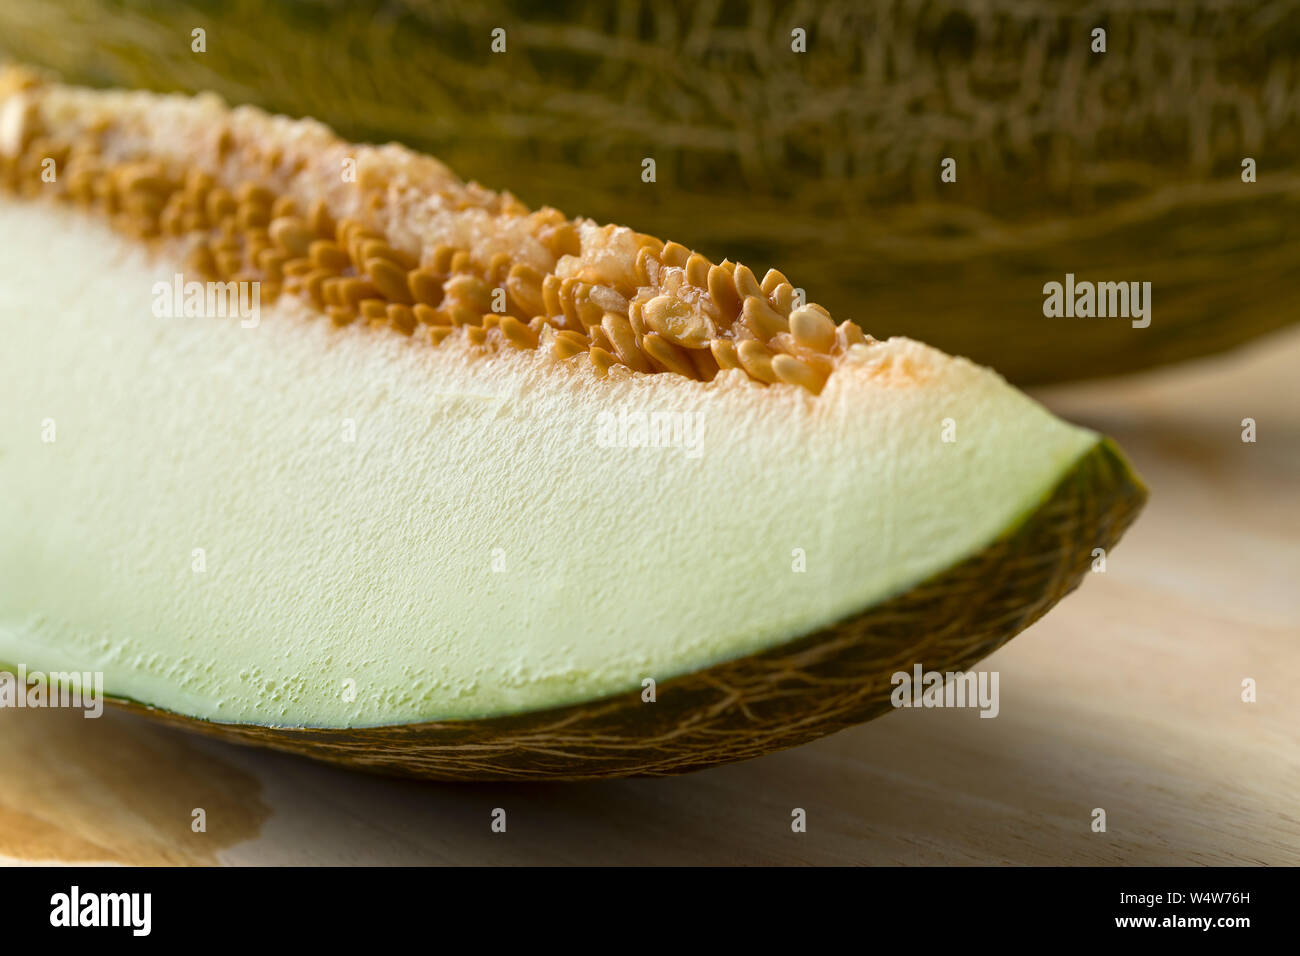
(1116, 166)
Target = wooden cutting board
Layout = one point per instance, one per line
(1127, 697)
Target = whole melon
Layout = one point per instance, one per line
(813, 136)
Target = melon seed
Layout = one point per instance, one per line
(812, 330)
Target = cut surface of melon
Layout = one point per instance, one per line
(389, 532)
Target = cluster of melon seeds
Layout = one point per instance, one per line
(571, 287)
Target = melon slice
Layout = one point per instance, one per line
(648, 515)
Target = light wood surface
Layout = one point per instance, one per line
(1125, 697)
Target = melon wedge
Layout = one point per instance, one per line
(477, 545)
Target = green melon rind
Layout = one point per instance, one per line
(746, 707)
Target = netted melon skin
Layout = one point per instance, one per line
(1123, 166)
(751, 706)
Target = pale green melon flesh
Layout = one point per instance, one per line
(378, 561)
